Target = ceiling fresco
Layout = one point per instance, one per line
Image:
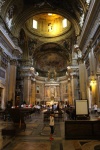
(51, 61)
(50, 57)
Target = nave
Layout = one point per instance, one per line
(36, 136)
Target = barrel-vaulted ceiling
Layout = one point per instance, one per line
(50, 44)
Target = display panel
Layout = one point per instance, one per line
(81, 107)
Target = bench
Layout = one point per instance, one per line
(17, 116)
(58, 115)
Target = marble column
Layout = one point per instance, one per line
(12, 81)
(7, 82)
(82, 79)
(75, 87)
(2, 83)
(27, 89)
(93, 70)
(70, 93)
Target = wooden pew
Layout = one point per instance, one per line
(17, 116)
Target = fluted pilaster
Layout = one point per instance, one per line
(33, 91)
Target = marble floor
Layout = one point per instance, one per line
(36, 137)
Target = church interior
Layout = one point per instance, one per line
(49, 55)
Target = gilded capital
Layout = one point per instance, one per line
(13, 62)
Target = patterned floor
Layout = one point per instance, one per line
(36, 137)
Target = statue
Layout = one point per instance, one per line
(10, 15)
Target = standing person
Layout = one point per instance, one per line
(51, 125)
(95, 108)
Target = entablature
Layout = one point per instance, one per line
(6, 38)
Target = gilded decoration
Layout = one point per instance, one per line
(13, 62)
(52, 92)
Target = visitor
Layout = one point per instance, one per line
(48, 108)
(51, 125)
(95, 108)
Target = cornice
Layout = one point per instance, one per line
(90, 25)
(8, 40)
